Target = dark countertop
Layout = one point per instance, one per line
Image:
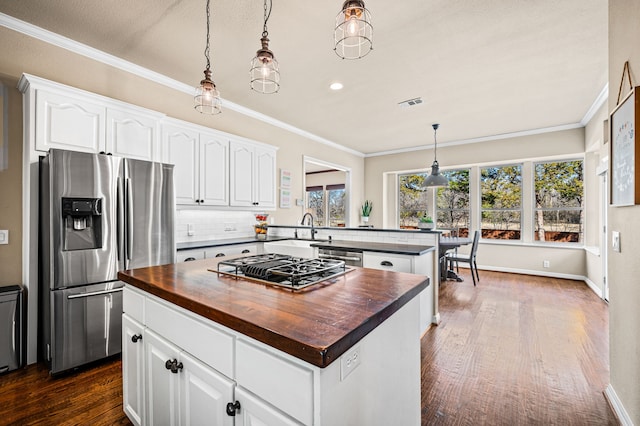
(225, 242)
(411, 250)
(316, 324)
(408, 249)
(359, 228)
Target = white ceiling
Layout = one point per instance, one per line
(482, 68)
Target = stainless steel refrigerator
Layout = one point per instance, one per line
(98, 214)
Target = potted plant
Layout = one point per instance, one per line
(365, 211)
(426, 222)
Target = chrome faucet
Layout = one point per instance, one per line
(313, 231)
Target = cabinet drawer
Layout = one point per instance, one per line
(246, 249)
(133, 303)
(387, 262)
(211, 345)
(279, 381)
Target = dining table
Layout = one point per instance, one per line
(446, 244)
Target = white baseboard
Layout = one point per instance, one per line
(617, 407)
(591, 284)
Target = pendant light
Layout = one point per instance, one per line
(353, 33)
(435, 178)
(265, 73)
(207, 98)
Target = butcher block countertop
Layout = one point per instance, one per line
(316, 324)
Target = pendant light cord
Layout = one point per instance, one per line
(206, 49)
(265, 33)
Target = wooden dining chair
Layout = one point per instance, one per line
(470, 258)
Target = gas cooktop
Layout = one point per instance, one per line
(282, 270)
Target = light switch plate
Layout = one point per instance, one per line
(4, 236)
(615, 241)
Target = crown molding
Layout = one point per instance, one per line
(131, 68)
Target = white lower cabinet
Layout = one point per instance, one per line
(164, 384)
(132, 370)
(255, 412)
(181, 389)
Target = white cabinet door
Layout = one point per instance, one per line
(204, 394)
(256, 412)
(132, 135)
(67, 122)
(132, 370)
(214, 170)
(265, 178)
(181, 149)
(242, 174)
(161, 385)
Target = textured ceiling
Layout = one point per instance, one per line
(482, 68)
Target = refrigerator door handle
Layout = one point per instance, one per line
(120, 219)
(95, 293)
(129, 220)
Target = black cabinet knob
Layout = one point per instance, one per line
(232, 408)
(136, 337)
(173, 365)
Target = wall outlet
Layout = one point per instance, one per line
(190, 229)
(4, 236)
(349, 362)
(615, 241)
(546, 264)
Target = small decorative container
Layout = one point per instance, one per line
(261, 226)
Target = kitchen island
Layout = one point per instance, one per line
(345, 351)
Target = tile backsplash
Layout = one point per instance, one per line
(209, 225)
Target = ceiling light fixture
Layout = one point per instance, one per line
(265, 73)
(435, 178)
(353, 33)
(336, 86)
(207, 98)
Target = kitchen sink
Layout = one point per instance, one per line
(297, 248)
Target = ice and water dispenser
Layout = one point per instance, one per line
(82, 223)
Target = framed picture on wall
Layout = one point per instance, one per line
(625, 173)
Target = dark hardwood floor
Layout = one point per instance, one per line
(515, 350)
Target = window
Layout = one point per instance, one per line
(501, 192)
(452, 202)
(335, 205)
(412, 199)
(559, 194)
(327, 206)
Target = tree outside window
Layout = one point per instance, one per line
(412, 199)
(327, 205)
(559, 194)
(452, 202)
(501, 190)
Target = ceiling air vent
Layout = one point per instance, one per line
(410, 103)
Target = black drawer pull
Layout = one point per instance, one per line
(220, 255)
(246, 251)
(190, 259)
(386, 263)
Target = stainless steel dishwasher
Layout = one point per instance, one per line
(350, 257)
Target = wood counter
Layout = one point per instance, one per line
(316, 324)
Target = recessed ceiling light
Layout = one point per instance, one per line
(336, 86)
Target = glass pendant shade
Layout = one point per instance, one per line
(265, 73)
(207, 98)
(435, 178)
(353, 34)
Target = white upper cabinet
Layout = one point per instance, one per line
(64, 117)
(253, 175)
(201, 159)
(214, 170)
(132, 135)
(180, 145)
(67, 122)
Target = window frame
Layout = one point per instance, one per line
(469, 208)
(520, 209)
(535, 209)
